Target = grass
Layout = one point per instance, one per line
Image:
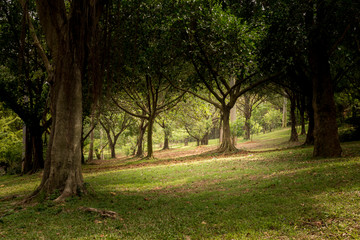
(283, 194)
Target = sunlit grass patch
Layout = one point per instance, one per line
(269, 195)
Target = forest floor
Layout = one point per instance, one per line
(270, 189)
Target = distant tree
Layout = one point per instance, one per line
(220, 47)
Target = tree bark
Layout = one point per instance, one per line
(150, 152)
(302, 114)
(310, 133)
(326, 138)
(227, 145)
(247, 115)
(27, 164)
(91, 145)
(284, 117)
(294, 134)
(68, 34)
(142, 129)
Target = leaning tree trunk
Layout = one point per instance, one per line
(227, 145)
(294, 134)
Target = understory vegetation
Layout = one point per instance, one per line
(268, 190)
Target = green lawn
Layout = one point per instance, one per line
(255, 195)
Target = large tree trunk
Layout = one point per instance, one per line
(68, 34)
(294, 134)
(326, 138)
(63, 164)
(227, 145)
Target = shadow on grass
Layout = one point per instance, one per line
(284, 194)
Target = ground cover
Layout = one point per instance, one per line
(277, 194)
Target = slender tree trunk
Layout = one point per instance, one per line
(142, 129)
(294, 134)
(302, 114)
(205, 139)
(166, 141)
(150, 152)
(91, 145)
(227, 145)
(112, 148)
(247, 115)
(310, 133)
(284, 117)
(27, 164)
(38, 157)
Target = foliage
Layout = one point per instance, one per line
(273, 119)
(10, 140)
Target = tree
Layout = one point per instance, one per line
(197, 118)
(114, 123)
(310, 33)
(68, 28)
(24, 66)
(221, 47)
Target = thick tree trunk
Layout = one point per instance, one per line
(326, 138)
(294, 134)
(63, 163)
(227, 145)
